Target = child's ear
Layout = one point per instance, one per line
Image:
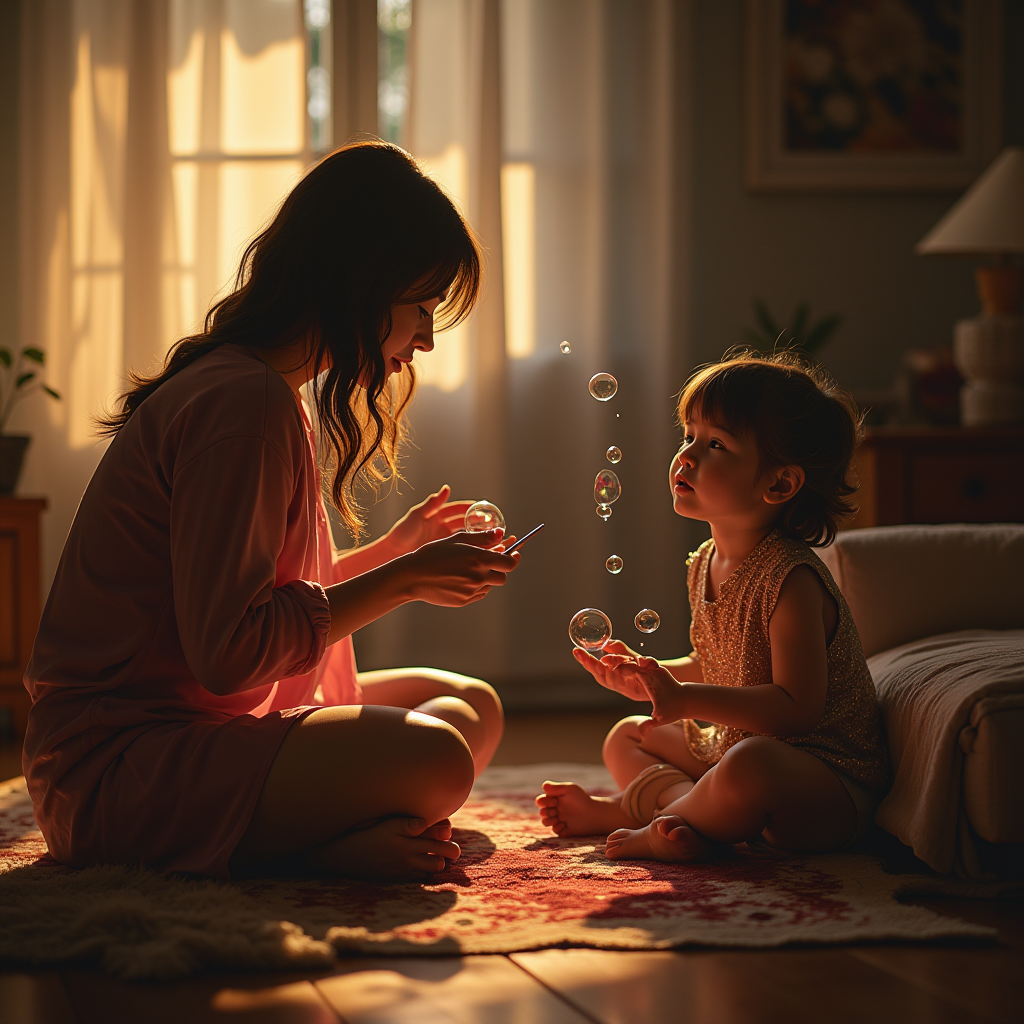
(787, 480)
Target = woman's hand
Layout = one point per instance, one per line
(434, 518)
(460, 569)
(611, 670)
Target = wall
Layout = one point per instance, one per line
(849, 254)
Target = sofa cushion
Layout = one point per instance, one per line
(954, 714)
(903, 583)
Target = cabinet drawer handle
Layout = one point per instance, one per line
(975, 487)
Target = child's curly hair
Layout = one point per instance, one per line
(799, 417)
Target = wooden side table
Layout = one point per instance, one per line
(940, 475)
(20, 603)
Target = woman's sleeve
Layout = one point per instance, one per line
(230, 508)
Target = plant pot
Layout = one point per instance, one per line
(12, 452)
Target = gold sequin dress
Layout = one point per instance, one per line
(730, 638)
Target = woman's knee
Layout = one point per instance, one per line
(438, 755)
(481, 696)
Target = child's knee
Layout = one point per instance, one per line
(750, 768)
(624, 734)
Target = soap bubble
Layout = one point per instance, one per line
(590, 629)
(647, 620)
(613, 455)
(606, 487)
(603, 386)
(604, 512)
(482, 516)
(613, 564)
(565, 347)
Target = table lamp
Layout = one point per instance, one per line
(988, 220)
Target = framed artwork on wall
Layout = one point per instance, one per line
(872, 95)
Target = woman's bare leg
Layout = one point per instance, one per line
(762, 786)
(363, 792)
(569, 810)
(470, 705)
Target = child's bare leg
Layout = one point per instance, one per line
(761, 786)
(568, 810)
(470, 705)
(629, 749)
(363, 792)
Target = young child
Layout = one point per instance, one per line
(771, 726)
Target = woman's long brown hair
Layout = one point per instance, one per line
(364, 229)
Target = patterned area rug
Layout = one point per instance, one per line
(516, 887)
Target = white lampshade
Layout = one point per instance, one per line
(988, 217)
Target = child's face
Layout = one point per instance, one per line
(716, 476)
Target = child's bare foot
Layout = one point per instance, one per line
(569, 810)
(668, 839)
(392, 850)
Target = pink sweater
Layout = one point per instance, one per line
(197, 558)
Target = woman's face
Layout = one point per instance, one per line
(412, 331)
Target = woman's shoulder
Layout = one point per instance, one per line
(225, 394)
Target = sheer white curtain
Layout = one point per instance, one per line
(156, 138)
(559, 126)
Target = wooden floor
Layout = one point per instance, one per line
(956, 982)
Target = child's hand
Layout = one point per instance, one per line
(610, 669)
(432, 519)
(661, 688)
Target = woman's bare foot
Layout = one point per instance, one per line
(668, 839)
(569, 810)
(391, 850)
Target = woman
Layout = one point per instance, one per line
(196, 705)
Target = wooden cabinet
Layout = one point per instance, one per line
(940, 475)
(19, 600)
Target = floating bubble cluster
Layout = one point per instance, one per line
(603, 386)
(565, 347)
(647, 620)
(613, 455)
(613, 564)
(606, 487)
(604, 512)
(482, 516)
(590, 629)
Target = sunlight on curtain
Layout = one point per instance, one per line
(236, 96)
(156, 139)
(519, 257)
(448, 366)
(99, 110)
(566, 114)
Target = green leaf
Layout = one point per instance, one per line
(22, 379)
(767, 322)
(5, 357)
(51, 392)
(821, 332)
(35, 354)
(799, 321)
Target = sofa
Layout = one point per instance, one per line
(940, 611)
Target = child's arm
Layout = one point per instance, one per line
(791, 704)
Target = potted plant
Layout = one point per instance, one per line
(799, 333)
(17, 381)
